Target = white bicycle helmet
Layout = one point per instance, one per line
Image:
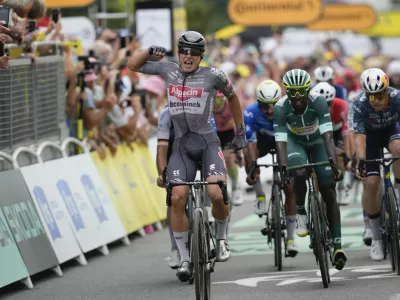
(394, 68)
(374, 80)
(326, 90)
(269, 91)
(324, 73)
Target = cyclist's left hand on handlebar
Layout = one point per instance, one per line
(337, 175)
(252, 181)
(239, 142)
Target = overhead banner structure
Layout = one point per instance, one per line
(52, 211)
(274, 12)
(12, 265)
(387, 25)
(86, 173)
(154, 22)
(345, 17)
(83, 219)
(67, 3)
(25, 224)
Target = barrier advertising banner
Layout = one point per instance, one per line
(85, 171)
(24, 222)
(52, 211)
(124, 211)
(82, 217)
(11, 262)
(133, 178)
(150, 174)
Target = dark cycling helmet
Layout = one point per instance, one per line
(192, 39)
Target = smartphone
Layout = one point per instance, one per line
(123, 42)
(54, 15)
(91, 53)
(5, 16)
(128, 53)
(32, 26)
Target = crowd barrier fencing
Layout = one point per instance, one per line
(56, 207)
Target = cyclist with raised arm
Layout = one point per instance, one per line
(165, 140)
(302, 125)
(190, 91)
(375, 122)
(258, 119)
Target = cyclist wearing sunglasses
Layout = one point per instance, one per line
(226, 132)
(375, 122)
(165, 141)
(302, 124)
(191, 90)
(258, 119)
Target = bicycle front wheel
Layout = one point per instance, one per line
(278, 228)
(394, 230)
(318, 239)
(198, 257)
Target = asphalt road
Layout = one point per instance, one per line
(140, 271)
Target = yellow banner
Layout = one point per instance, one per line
(145, 167)
(67, 3)
(119, 194)
(274, 12)
(345, 17)
(387, 25)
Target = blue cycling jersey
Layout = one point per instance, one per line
(365, 118)
(256, 122)
(341, 91)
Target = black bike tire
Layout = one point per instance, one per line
(318, 244)
(395, 247)
(197, 253)
(207, 254)
(278, 228)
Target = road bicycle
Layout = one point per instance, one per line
(202, 255)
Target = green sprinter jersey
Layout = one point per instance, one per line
(308, 127)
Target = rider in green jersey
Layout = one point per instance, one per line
(302, 125)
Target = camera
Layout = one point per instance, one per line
(55, 15)
(5, 16)
(90, 63)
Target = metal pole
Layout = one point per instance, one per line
(104, 10)
(128, 10)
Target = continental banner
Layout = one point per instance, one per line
(117, 190)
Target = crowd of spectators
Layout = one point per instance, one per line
(107, 104)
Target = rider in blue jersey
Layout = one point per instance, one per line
(258, 121)
(165, 137)
(375, 123)
(326, 74)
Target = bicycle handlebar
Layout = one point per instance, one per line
(382, 161)
(255, 165)
(222, 185)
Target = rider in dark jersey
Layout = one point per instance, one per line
(190, 91)
(375, 123)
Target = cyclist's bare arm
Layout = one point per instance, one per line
(250, 154)
(330, 145)
(161, 158)
(236, 109)
(361, 144)
(137, 60)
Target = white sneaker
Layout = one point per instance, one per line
(260, 206)
(210, 216)
(236, 199)
(301, 229)
(367, 236)
(343, 198)
(376, 251)
(174, 259)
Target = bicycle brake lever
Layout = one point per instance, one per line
(169, 194)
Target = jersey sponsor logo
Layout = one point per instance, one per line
(306, 130)
(212, 167)
(248, 114)
(326, 115)
(293, 154)
(184, 93)
(176, 172)
(184, 104)
(228, 87)
(394, 93)
(219, 73)
(221, 155)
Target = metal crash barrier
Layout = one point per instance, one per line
(32, 96)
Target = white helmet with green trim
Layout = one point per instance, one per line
(269, 91)
(297, 78)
